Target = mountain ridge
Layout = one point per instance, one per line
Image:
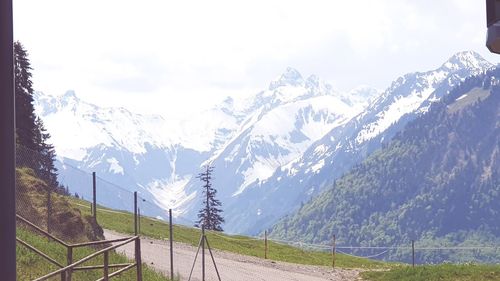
(416, 186)
(277, 144)
(328, 158)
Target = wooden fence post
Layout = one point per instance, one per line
(94, 192)
(138, 258)
(334, 250)
(135, 213)
(106, 268)
(413, 252)
(69, 261)
(138, 220)
(171, 238)
(265, 244)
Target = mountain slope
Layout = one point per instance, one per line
(344, 146)
(436, 181)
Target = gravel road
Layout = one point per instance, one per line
(232, 267)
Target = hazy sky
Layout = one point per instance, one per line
(177, 56)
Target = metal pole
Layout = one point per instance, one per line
(7, 146)
(135, 213)
(334, 250)
(94, 193)
(265, 244)
(203, 253)
(413, 252)
(213, 260)
(195, 258)
(171, 238)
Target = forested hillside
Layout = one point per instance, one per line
(437, 182)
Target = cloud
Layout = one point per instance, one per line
(194, 52)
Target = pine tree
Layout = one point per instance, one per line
(33, 149)
(210, 215)
(25, 112)
(46, 157)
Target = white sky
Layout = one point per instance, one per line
(178, 56)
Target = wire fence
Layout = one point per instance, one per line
(96, 201)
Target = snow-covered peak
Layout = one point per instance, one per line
(365, 92)
(291, 77)
(313, 81)
(77, 125)
(316, 85)
(415, 92)
(70, 94)
(48, 104)
(360, 96)
(466, 59)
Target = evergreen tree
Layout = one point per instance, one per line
(46, 157)
(33, 149)
(210, 215)
(25, 112)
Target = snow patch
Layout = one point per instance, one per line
(316, 167)
(462, 97)
(114, 166)
(171, 194)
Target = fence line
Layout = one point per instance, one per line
(365, 257)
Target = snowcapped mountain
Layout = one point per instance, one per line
(130, 150)
(272, 151)
(247, 139)
(288, 117)
(346, 145)
(122, 129)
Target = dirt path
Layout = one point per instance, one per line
(232, 267)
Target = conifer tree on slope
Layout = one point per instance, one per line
(210, 215)
(25, 113)
(46, 157)
(33, 149)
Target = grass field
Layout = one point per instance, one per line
(123, 222)
(375, 270)
(444, 272)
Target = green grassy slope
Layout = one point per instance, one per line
(444, 272)
(67, 223)
(30, 265)
(123, 222)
